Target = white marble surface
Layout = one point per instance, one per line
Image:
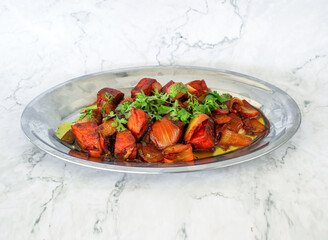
(283, 195)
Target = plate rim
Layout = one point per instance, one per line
(158, 170)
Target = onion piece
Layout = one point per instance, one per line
(178, 152)
(234, 139)
(164, 133)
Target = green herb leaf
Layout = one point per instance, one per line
(184, 115)
(178, 88)
(88, 114)
(164, 109)
(108, 97)
(221, 98)
(119, 123)
(109, 116)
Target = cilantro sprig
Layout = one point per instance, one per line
(109, 99)
(210, 103)
(221, 98)
(87, 114)
(160, 104)
(118, 122)
(176, 89)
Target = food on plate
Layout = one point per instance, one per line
(163, 124)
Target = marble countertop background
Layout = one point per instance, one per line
(283, 195)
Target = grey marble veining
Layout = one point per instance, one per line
(283, 195)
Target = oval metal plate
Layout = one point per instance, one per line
(45, 113)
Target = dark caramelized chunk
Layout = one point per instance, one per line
(128, 99)
(167, 89)
(138, 123)
(157, 85)
(204, 137)
(222, 110)
(233, 104)
(87, 137)
(178, 152)
(253, 126)
(96, 116)
(101, 99)
(197, 87)
(235, 124)
(105, 143)
(166, 86)
(78, 154)
(234, 139)
(165, 132)
(220, 118)
(125, 145)
(150, 153)
(106, 128)
(183, 104)
(147, 85)
(246, 110)
(68, 137)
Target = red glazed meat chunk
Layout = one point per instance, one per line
(170, 85)
(197, 87)
(109, 95)
(138, 123)
(87, 137)
(125, 145)
(167, 86)
(147, 85)
(105, 143)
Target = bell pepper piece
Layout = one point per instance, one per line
(204, 137)
(194, 125)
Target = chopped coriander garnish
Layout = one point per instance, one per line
(159, 104)
(88, 114)
(109, 99)
(118, 123)
(221, 98)
(178, 88)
